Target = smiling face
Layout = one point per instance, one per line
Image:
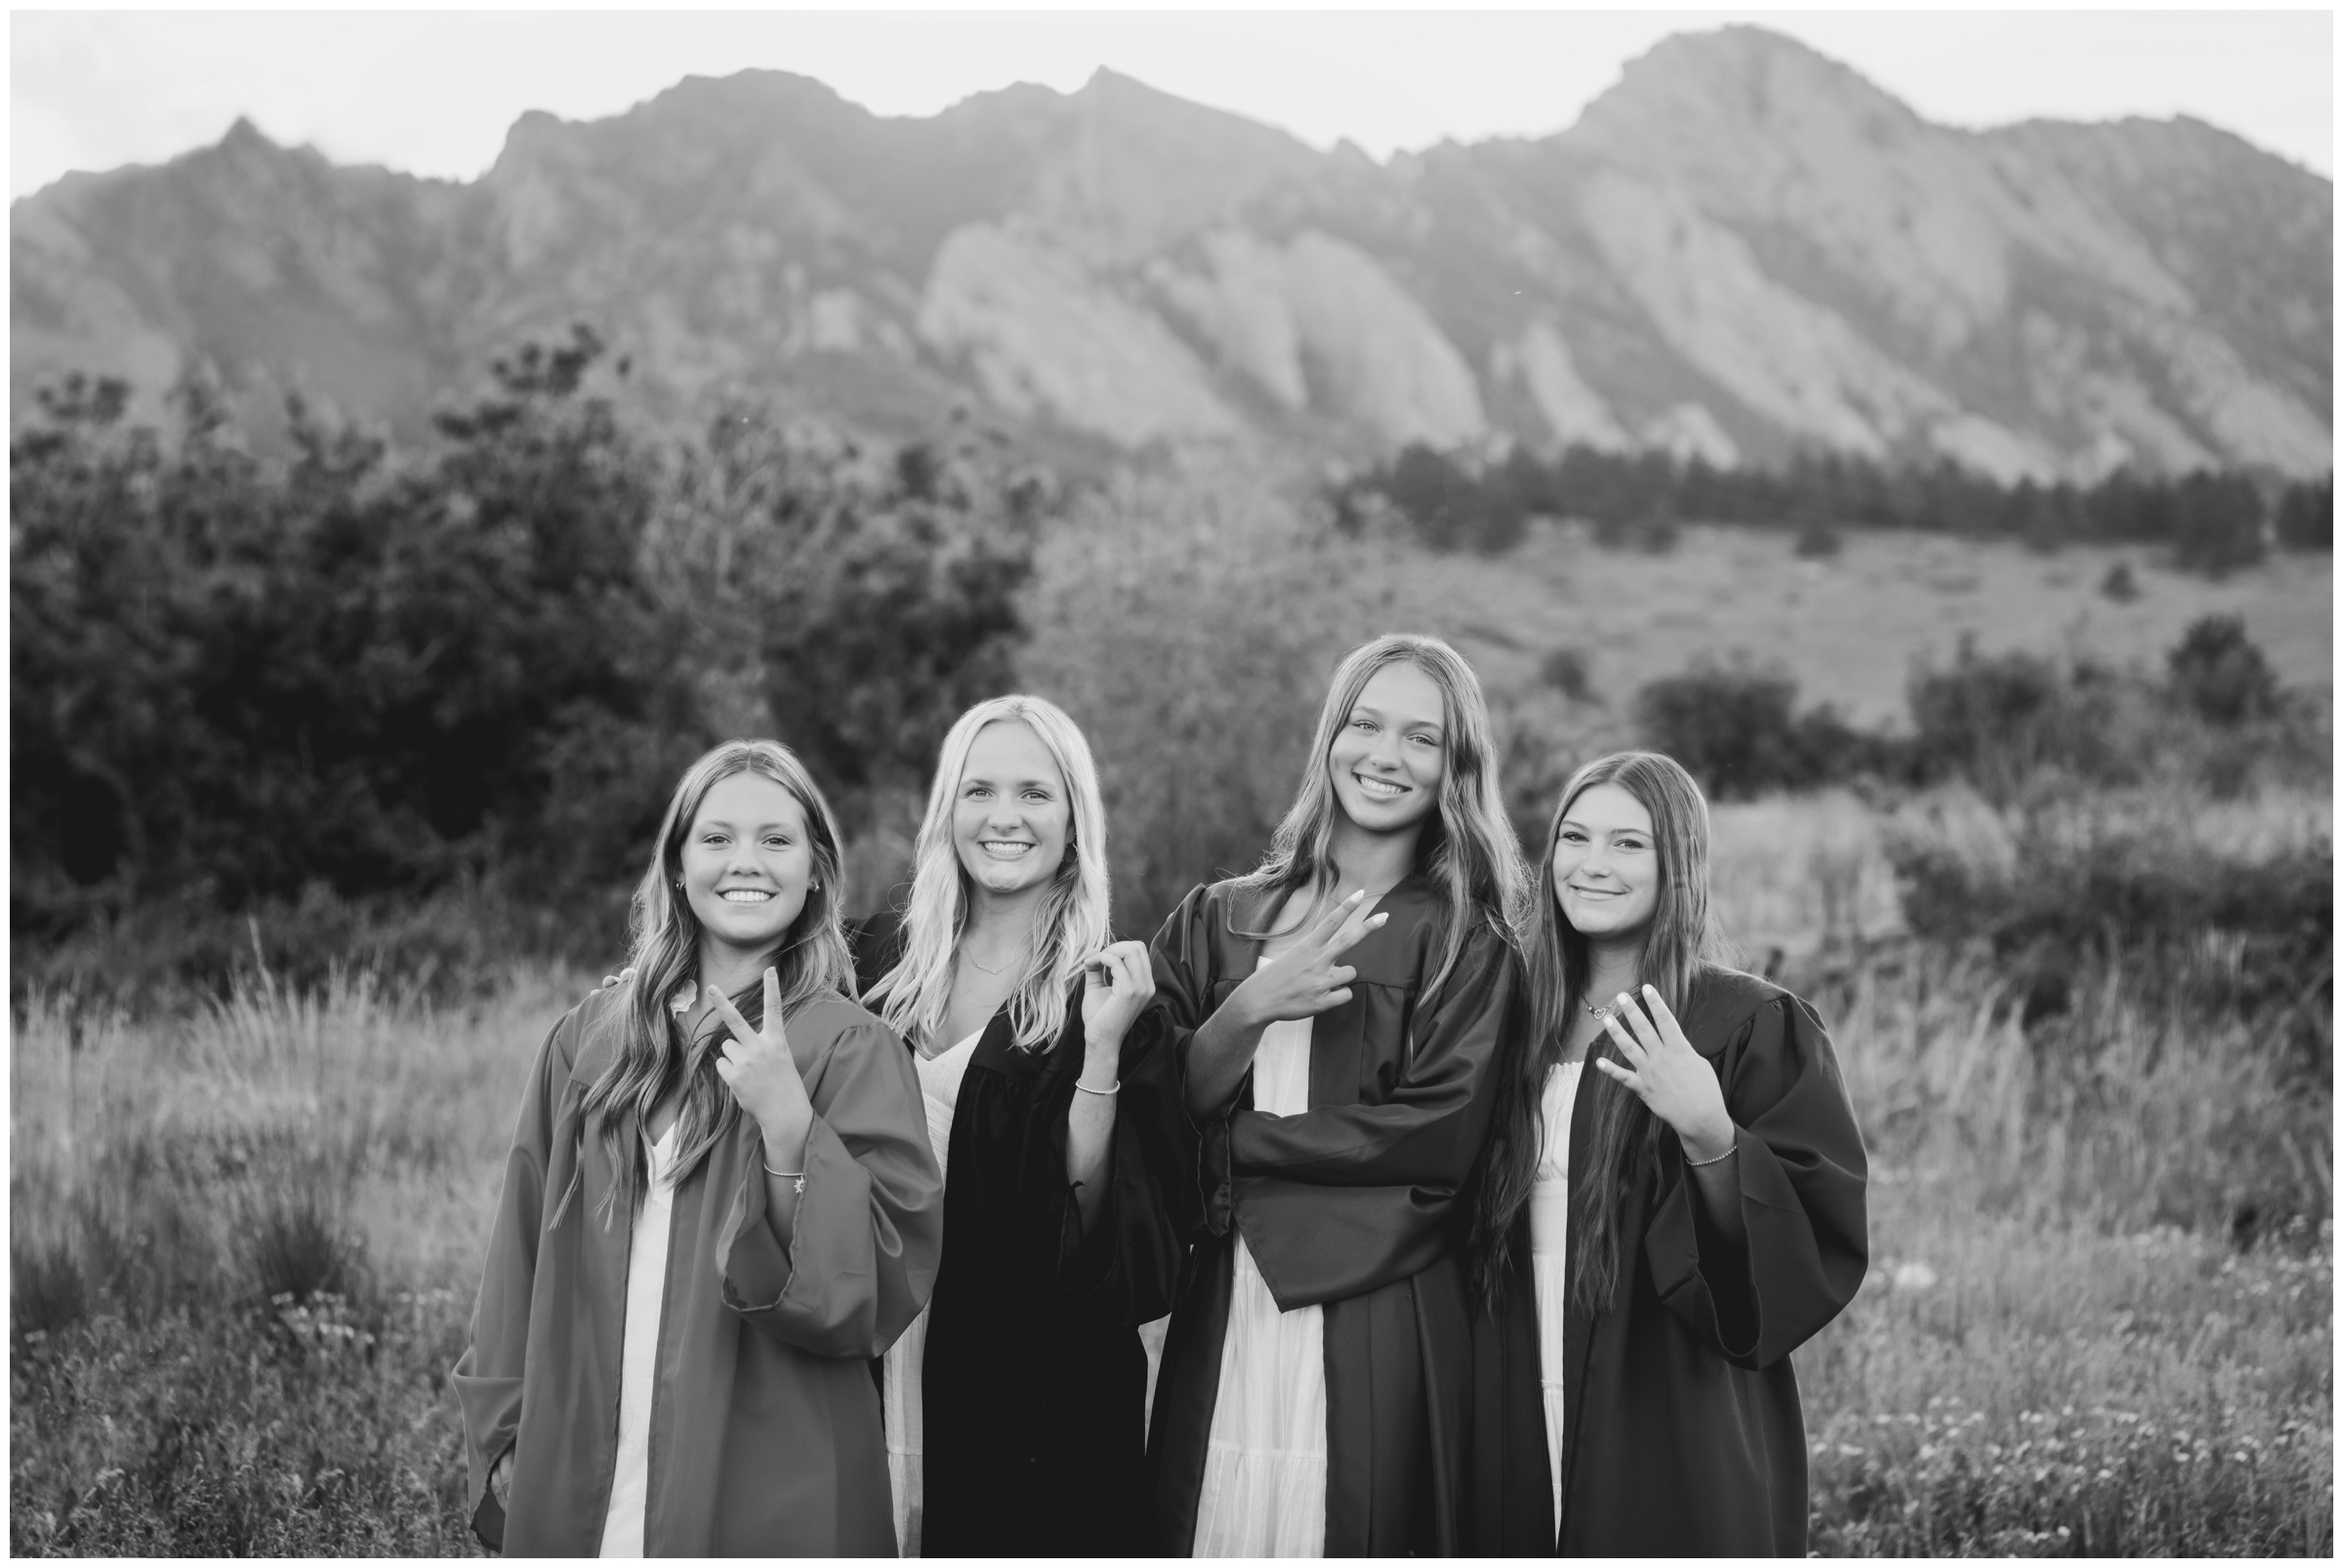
(1011, 818)
(747, 863)
(1607, 864)
(1391, 752)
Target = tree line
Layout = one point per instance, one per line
(2211, 521)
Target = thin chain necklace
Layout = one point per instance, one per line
(981, 964)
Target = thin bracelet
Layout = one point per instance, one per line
(798, 1176)
(1115, 1088)
(1727, 1155)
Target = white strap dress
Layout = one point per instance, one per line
(1264, 1467)
(940, 1079)
(1549, 1234)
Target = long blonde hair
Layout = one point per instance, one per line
(1467, 848)
(653, 1055)
(1073, 925)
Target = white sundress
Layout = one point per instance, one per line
(638, 1354)
(1264, 1466)
(940, 1077)
(1549, 1232)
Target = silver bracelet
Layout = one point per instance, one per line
(798, 1176)
(1115, 1088)
(1727, 1155)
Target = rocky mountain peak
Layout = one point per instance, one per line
(1741, 248)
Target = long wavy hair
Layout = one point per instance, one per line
(654, 1055)
(1073, 922)
(1679, 943)
(1467, 848)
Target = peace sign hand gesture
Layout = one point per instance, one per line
(1663, 1070)
(760, 1070)
(1309, 977)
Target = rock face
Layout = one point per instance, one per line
(1740, 250)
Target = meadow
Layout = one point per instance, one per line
(1846, 628)
(245, 1236)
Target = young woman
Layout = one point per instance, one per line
(1337, 1021)
(1656, 1234)
(720, 1206)
(1015, 1406)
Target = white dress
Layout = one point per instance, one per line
(1549, 1230)
(1264, 1466)
(638, 1353)
(906, 1435)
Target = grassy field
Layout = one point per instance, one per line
(1847, 627)
(245, 1240)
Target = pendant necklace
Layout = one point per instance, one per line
(981, 964)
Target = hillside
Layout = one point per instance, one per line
(1740, 249)
(1849, 628)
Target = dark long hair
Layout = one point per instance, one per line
(1680, 942)
(1466, 850)
(653, 1053)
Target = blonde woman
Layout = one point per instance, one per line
(1015, 1407)
(1337, 1015)
(718, 1207)
(1673, 1201)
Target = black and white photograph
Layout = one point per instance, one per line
(1155, 783)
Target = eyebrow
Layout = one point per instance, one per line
(1432, 725)
(966, 780)
(708, 822)
(1574, 823)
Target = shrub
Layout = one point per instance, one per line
(2118, 585)
(1818, 541)
(2000, 719)
(1738, 731)
(1565, 670)
(2218, 672)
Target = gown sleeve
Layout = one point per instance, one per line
(487, 1378)
(1198, 1193)
(869, 1232)
(1127, 1264)
(1803, 1173)
(1343, 1199)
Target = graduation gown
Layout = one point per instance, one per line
(764, 1436)
(1683, 1434)
(1033, 1385)
(1353, 1206)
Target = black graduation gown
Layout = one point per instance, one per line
(1353, 1204)
(1682, 1434)
(1034, 1383)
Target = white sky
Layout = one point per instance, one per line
(433, 92)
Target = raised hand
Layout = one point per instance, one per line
(620, 979)
(1664, 1072)
(1118, 983)
(1310, 976)
(758, 1066)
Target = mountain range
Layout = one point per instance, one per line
(1742, 249)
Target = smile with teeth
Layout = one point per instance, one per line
(746, 896)
(1381, 789)
(1004, 848)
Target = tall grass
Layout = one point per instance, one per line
(246, 1236)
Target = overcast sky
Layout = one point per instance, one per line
(433, 92)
